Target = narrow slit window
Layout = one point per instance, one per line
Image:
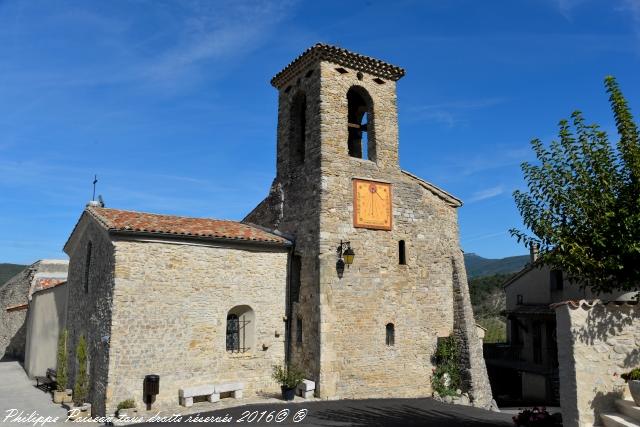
(299, 331)
(296, 268)
(87, 267)
(390, 335)
(556, 280)
(402, 255)
(298, 129)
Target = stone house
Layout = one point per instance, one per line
(15, 296)
(160, 294)
(526, 368)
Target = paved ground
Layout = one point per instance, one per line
(17, 391)
(364, 413)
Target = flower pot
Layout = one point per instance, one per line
(68, 396)
(59, 395)
(79, 411)
(634, 389)
(288, 393)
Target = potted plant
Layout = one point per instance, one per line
(126, 408)
(62, 394)
(81, 408)
(536, 417)
(633, 379)
(288, 377)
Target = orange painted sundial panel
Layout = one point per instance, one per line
(371, 204)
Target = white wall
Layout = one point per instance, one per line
(45, 320)
(596, 343)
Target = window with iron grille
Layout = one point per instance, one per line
(240, 329)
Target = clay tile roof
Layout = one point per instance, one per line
(338, 55)
(121, 221)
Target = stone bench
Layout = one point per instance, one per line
(212, 391)
(306, 389)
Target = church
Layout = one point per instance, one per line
(350, 269)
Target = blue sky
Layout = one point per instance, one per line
(170, 102)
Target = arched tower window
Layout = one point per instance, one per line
(87, 267)
(240, 329)
(391, 335)
(360, 110)
(298, 128)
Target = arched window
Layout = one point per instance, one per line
(298, 128)
(240, 329)
(391, 335)
(402, 255)
(360, 110)
(87, 267)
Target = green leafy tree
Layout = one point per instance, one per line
(81, 388)
(62, 376)
(583, 203)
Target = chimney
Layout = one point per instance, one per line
(534, 252)
(93, 203)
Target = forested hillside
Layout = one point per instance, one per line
(7, 271)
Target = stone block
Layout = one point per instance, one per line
(227, 387)
(201, 390)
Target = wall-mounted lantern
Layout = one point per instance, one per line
(345, 257)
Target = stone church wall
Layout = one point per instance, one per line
(596, 343)
(344, 319)
(170, 306)
(292, 207)
(89, 313)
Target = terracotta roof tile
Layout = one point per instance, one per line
(116, 220)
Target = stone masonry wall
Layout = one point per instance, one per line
(417, 297)
(292, 207)
(344, 319)
(170, 306)
(13, 325)
(596, 343)
(89, 313)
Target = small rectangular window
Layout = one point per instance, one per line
(299, 331)
(402, 255)
(556, 280)
(520, 300)
(390, 339)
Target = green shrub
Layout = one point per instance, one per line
(288, 377)
(127, 404)
(61, 366)
(633, 375)
(81, 388)
(447, 363)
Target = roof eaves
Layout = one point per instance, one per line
(321, 51)
(281, 241)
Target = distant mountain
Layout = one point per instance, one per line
(7, 271)
(478, 266)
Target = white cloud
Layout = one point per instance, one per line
(487, 193)
(452, 113)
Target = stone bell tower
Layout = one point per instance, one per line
(370, 329)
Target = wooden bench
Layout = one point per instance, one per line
(212, 391)
(48, 382)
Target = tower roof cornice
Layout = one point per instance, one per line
(340, 56)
